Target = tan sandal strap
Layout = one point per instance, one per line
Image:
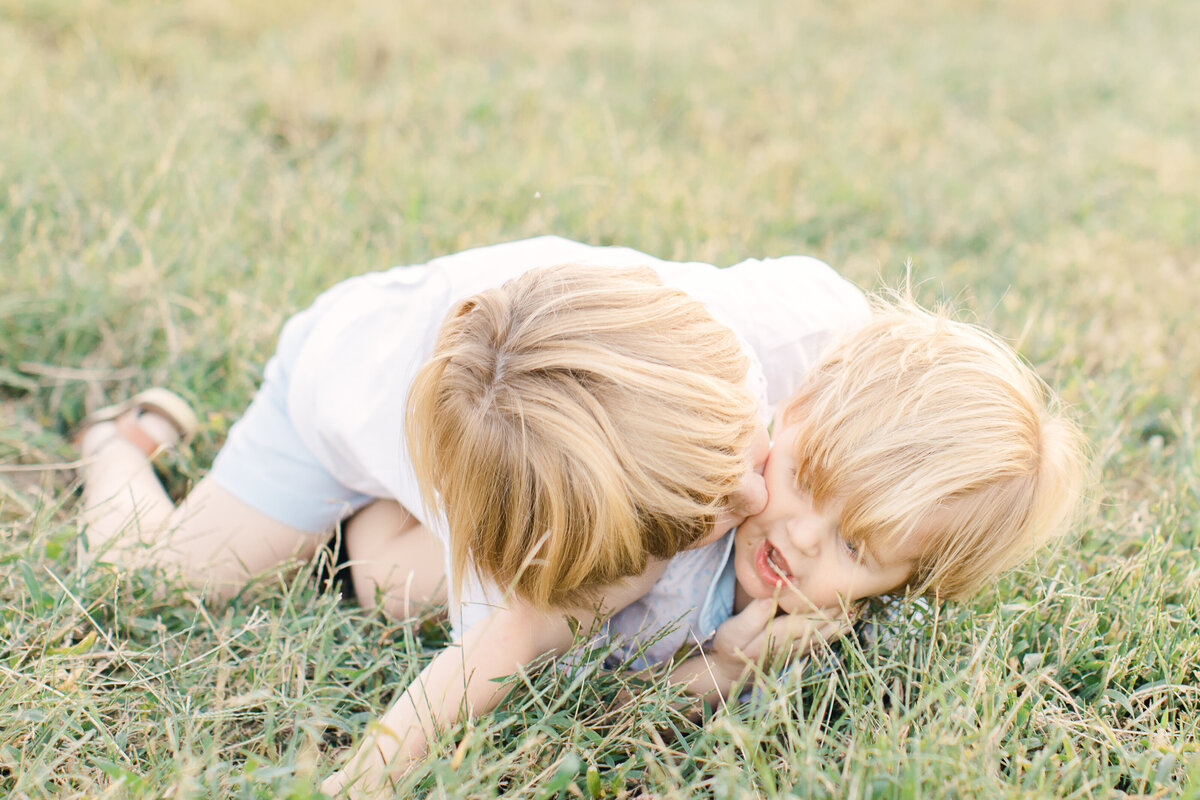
(171, 407)
(135, 434)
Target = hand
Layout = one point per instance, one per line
(752, 636)
(371, 784)
(366, 774)
(334, 784)
(459, 678)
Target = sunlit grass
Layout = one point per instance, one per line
(178, 177)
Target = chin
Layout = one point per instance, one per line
(751, 585)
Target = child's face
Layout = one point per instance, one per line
(751, 496)
(795, 552)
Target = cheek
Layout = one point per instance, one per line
(755, 494)
(741, 544)
(743, 555)
(776, 499)
(760, 449)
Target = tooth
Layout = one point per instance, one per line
(775, 567)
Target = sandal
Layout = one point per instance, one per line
(168, 405)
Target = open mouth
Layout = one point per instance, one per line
(772, 566)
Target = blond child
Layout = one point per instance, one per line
(634, 441)
(921, 455)
(325, 435)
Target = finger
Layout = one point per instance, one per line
(791, 628)
(796, 599)
(850, 610)
(836, 629)
(334, 784)
(802, 605)
(796, 635)
(738, 631)
(751, 622)
(828, 613)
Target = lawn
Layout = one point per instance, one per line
(177, 177)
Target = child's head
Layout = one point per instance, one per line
(575, 422)
(921, 453)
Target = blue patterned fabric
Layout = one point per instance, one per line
(689, 601)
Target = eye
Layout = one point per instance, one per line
(851, 548)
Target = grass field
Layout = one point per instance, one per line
(177, 177)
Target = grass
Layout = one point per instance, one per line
(180, 176)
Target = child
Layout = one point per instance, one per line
(628, 453)
(921, 454)
(325, 434)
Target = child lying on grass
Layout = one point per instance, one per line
(920, 455)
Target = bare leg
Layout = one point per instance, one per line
(122, 497)
(394, 560)
(212, 539)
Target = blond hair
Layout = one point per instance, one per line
(575, 422)
(934, 431)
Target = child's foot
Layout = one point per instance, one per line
(145, 430)
(152, 421)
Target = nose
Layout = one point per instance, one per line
(805, 535)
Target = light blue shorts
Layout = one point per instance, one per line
(265, 464)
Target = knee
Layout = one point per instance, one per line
(375, 524)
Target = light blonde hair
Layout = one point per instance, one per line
(934, 431)
(575, 422)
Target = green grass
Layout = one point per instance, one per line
(177, 177)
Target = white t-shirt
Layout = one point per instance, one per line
(366, 338)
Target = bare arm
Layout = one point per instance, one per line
(461, 680)
(747, 639)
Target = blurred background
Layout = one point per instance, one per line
(1037, 160)
(178, 177)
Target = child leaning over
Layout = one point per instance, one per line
(556, 429)
(921, 455)
(636, 438)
